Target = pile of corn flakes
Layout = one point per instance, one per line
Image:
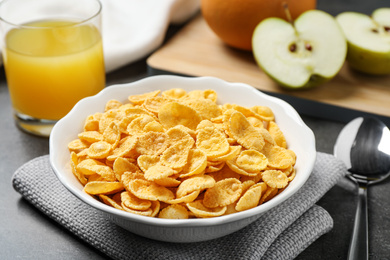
(177, 154)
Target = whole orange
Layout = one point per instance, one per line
(235, 20)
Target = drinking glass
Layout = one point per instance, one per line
(53, 57)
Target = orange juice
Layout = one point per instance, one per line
(50, 65)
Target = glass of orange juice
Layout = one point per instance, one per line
(53, 57)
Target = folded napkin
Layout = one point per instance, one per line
(132, 29)
(281, 233)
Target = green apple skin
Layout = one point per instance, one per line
(312, 82)
(369, 62)
(362, 54)
(273, 36)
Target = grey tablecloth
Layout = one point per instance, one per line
(282, 233)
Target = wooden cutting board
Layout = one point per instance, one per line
(196, 51)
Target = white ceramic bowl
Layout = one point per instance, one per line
(299, 137)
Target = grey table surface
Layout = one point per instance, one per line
(25, 233)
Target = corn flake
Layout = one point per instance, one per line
(148, 190)
(125, 148)
(212, 142)
(91, 136)
(122, 165)
(77, 145)
(206, 108)
(174, 211)
(152, 143)
(132, 202)
(245, 134)
(103, 187)
(196, 163)
(264, 112)
(110, 201)
(92, 122)
(176, 156)
(112, 104)
(279, 158)
(158, 171)
(139, 99)
(185, 199)
(146, 161)
(73, 164)
(99, 150)
(251, 198)
(201, 211)
(174, 113)
(137, 125)
(153, 104)
(175, 93)
(197, 183)
(207, 94)
(167, 182)
(252, 161)
(275, 179)
(112, 134)
(223, 193)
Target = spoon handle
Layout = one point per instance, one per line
(358, 248)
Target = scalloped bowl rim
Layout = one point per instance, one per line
(67, 128)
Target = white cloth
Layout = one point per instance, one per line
(132, 29)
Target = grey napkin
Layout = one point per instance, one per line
(282, 233)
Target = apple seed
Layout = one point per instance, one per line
(374, 30)
(308, 47)
(293, 47)
(387, 28)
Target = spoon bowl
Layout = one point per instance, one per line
(364, 146)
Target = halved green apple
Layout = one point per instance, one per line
(368, 40)
(300, 55)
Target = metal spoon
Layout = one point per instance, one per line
(364, 146)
